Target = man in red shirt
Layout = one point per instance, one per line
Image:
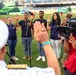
(70, 48)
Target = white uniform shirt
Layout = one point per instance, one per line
(27, 71)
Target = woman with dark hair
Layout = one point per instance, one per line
(54, 31)
(56, 19)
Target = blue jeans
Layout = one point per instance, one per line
(67, 72)
(12, 45)
(40, 49)
(27, 45)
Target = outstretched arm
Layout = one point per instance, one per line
(16, 23)
(31, 20)
(41, 35)
(48, 21)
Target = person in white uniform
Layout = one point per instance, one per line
(40, 32)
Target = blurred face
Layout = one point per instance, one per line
(9, 20)
(26, 16)
(55, 17)
(41, 14)
(64, 21)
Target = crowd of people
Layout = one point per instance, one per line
(48, 48)
(41, 36)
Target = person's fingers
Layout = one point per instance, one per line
(43, 27)
(17, 16)
(39, 27)
(72, 37)
(70, 42)
(48, 19)
(35, 27)
(35, 35)
(36, 31)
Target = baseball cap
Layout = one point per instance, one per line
(3, 34)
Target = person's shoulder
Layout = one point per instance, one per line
(37, 19)
(22, 20)
(32, 71)
(44, 71)
(44, 19)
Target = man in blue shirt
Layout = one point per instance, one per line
(26, 27)
(40, 49)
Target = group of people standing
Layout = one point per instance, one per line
(26, 36)
(26, 26)
(27, 30)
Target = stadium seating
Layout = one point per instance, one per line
(1, 5)
(47, 1)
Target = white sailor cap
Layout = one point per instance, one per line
(3, 34)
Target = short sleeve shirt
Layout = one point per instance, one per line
(26, 29)
(44, 21)
(54, 31)
(12, 32)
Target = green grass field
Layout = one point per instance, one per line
(20, 52)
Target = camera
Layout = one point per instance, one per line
(65, 31)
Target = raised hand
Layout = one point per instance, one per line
(32, 17)
(72, 41)
(48, 19)
(40, 32)
(17, 17)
